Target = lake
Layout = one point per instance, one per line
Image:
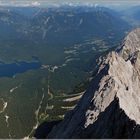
(9, 70)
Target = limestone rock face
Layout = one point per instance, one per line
(131, 44)
(110, 108)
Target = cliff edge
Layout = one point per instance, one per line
(110, 108)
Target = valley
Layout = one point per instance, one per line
(48, 60)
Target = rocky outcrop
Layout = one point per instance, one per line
(110, 108)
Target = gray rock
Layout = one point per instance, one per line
(110, 108)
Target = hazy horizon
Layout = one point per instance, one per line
(66, 2)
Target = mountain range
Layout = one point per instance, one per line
(61, 24)
(69, 43)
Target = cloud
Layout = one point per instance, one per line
(35, 3)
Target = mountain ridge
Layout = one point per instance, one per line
(110, 106)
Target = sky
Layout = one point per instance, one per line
(60, 2)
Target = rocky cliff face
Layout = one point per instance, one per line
(110, 108)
